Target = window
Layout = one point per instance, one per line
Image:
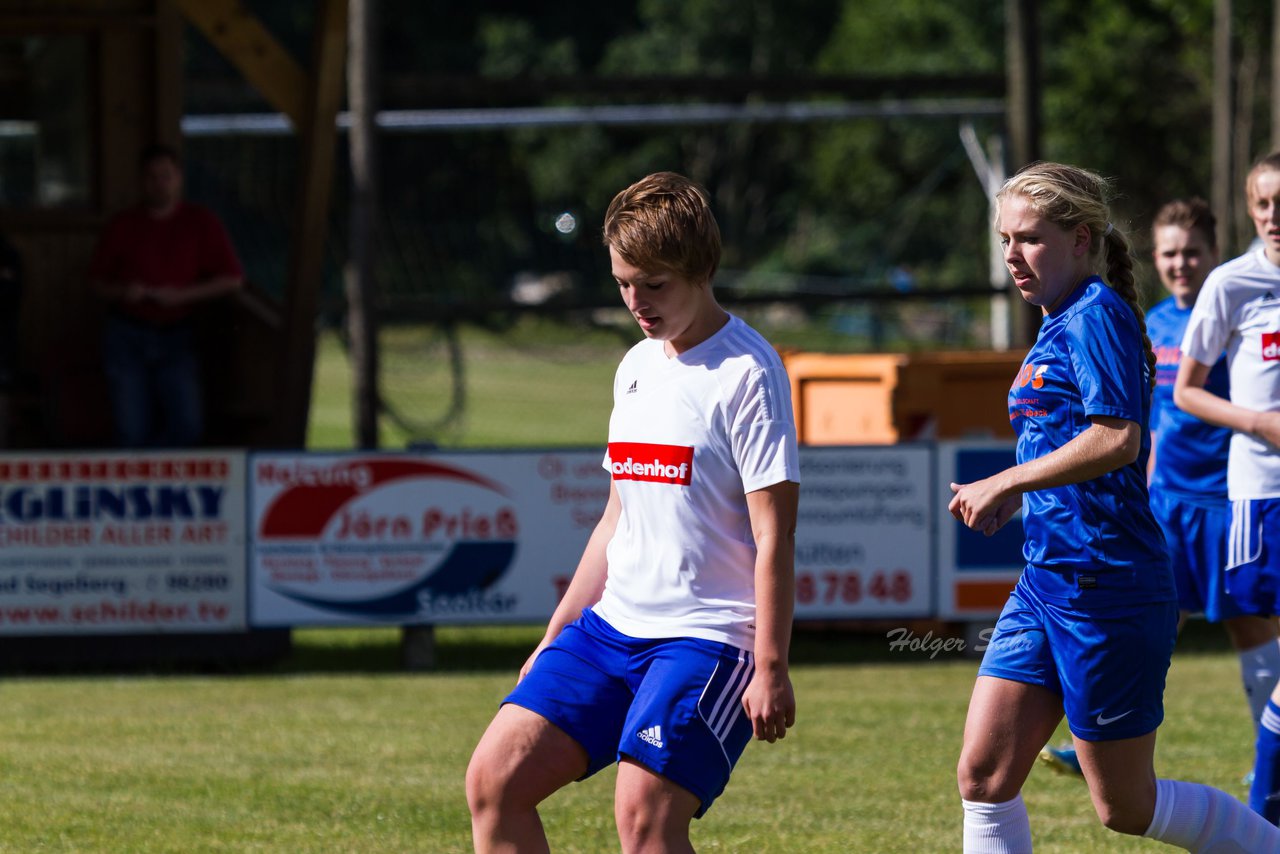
(45, 121)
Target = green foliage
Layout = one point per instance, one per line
(1129, 95)
(916, 37)
(1126, 91)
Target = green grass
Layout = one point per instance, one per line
(536, 384)
(337, 750)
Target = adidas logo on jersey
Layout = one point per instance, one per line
(652, 734)
(632, 389)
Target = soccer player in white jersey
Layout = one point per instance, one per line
(1089, 629)
(669, 649)
(1239, 311)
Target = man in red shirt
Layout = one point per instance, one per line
(154, 264)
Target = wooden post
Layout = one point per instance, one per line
(1275, 76)
(418, 647)
(362, 141)
(306, 262)
(1022, 61)
(1222, 191)
(168, 70)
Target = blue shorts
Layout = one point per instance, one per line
(1108, 664)
(1253, 555)
(672, 704)
(1197, 538)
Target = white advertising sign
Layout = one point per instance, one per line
(864, 537)
(356, 539)
(110, 543)
(975, 572)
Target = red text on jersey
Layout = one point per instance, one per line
(652, 463)
(1270, 346)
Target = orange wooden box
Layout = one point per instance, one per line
(882, 398)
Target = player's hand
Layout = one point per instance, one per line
(770, 703)
(528, 664)
(166, 296)
(983, 505)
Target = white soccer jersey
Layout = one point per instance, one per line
(1239, 311)
(688, 438)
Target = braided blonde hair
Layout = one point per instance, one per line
(1069, 196)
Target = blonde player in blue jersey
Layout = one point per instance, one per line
(669, 649)
(1089, 628)
(1189, 461)
(1239, 311)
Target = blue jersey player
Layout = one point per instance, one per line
(1089, 628)
(1189, 460)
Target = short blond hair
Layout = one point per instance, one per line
(664, 221)
(1266, 163)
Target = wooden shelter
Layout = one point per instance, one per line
(84, 86)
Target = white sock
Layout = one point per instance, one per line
(1259, 669)
(996, 828)
(1203, 819)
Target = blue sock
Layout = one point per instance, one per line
(1264, 795)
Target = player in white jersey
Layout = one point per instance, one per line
(669, 649)
(1239, 311)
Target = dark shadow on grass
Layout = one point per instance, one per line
(1199, 637)
(458, 649)
(503, 649)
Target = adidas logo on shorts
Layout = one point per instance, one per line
(653, 735)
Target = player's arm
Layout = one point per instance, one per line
(1106, 445)
(199, 292)
(118, 291)
(588, 579)
(1192, 397)
(769, 700)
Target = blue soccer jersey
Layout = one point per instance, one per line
(1191, 455)
(1095, 540)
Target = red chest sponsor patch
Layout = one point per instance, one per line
(652, 463)
(1270, 346)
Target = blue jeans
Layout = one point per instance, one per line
(154, 378)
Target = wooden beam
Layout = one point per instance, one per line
(251, 48)
(168, 74)
(318, 137)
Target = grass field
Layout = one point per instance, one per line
(335, 750)
(537, 384)
(338, 750)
